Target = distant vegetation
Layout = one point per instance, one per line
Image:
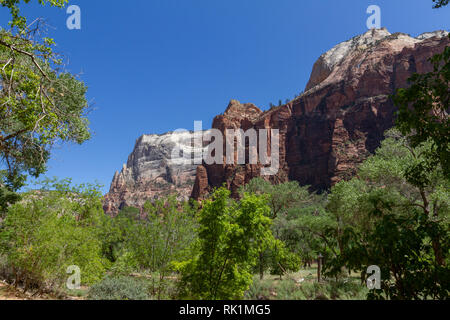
(286, 101)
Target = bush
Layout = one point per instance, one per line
(284, 261)
(124, 265)
(119, 288)
(49, 231)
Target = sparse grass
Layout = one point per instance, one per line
(303, 285)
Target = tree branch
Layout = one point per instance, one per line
(30, 55)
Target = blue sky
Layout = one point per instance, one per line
(157, 65)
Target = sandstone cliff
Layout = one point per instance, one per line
(339, 120)
(152, 171)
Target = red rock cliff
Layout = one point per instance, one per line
(340, 119)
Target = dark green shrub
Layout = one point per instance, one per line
(119, 288)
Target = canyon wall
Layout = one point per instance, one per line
(338, 121)
(324, 134)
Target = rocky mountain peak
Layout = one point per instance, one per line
(360, 45)
(438, 34)
(327, 61)
(242, 110)
(159, 165)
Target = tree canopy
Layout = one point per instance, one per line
(41, 104)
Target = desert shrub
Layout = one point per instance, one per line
(290, 289)
(119, 288)
(277, 290)
(260, 289)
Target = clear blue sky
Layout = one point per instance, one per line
(157, 65)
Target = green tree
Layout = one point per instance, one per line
(115, 232)
(162, 238)
(385, 218)
(50, 230)
(283, 260)
(40, 103)
(287, 201)
(151, 242)
(307, 231)
(130, 213)
(282, 197)
(230, 237)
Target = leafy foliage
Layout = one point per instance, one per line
(289, 204)
(230, 237)
(284, 261)
(40, 103)
(394, 223)
(164, 236)
(151, 243)
(282, 196)
(53, 229)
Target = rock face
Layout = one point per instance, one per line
(323, 134)
(339, 120)
(159, 165)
